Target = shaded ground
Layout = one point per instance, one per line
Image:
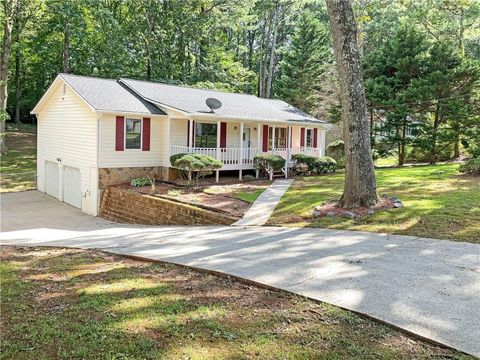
(232, 197)
(438, 203)
(18, 165)
(65, 303)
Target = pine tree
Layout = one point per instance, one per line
(304, 61)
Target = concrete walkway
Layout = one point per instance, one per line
(428, 287)
(260, 211)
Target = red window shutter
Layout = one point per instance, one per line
(265, 138)
(315, 138)
(302, 137)
(223, 135)
(119, 133)
(146, 134)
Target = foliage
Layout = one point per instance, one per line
(268, 163)
(196, 164)
(139, 182)
(303, 163)
(324, 164)
(336, 149)
(472, 166)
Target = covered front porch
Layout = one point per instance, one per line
(236, 143)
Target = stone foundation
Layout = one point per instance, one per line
(115, 176)
(127, 206)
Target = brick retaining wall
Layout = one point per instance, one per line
(126, 206)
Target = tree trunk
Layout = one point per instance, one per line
(401, 153)
(18, 92)
(66, 49)
(456, 146)
(4, 57)
(360, 185)
(436, 121)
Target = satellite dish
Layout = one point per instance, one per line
(213, 104)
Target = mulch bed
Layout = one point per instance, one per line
(218, 197)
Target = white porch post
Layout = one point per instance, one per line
(259, 139)
(240, 157)
(321, 143)
(217, 172)
(190, 135)
(289, 151)
(273, 137)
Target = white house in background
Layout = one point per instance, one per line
(96, 132)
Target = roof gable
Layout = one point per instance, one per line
(104, 95)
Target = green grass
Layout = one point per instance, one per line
(80, 304)
(249, 197)
(438, 203)
(18, 164)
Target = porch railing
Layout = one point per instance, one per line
(236, 158)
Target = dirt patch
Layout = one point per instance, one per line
(332, 208)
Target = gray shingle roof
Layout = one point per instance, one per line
(109, 95)
(192, 100)
(140, 97)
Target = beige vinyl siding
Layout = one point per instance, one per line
(109, 158)
(178, 133)
(67, 130)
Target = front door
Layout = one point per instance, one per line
(246, 138)
(247, 154)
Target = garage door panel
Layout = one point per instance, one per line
(72, 188)
(52, 179)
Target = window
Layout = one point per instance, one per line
(280, 140)
(308, 137)
(133, 133)
(205, 135)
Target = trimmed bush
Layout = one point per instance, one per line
(336, 149)
(325, 164)
(472, 166)
(268, 163)
(304, 163)
(175, 157)
(195, 165)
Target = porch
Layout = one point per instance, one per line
(236, 143)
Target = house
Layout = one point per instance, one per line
(95, 132)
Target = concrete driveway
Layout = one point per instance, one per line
(428, 287)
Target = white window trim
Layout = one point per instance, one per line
(195, 128)
(305, 138)
(125, 134)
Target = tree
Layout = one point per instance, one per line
(304, 62)
(360, 184)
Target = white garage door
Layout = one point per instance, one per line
(52, 181)
(72, 191)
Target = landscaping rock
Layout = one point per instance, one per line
(397, 204)
(349, 215)
(330, 213)
(317, 212)
(370, 212)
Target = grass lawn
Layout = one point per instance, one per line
(18, 165)
(79, 304)
(247, 196)
(438, 203)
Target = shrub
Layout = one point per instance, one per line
(175, 157)
(304, 163)
(472, 166)
(139, 182)
(196, 164)
(325, 164)
(268, 163)
(336, 150)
